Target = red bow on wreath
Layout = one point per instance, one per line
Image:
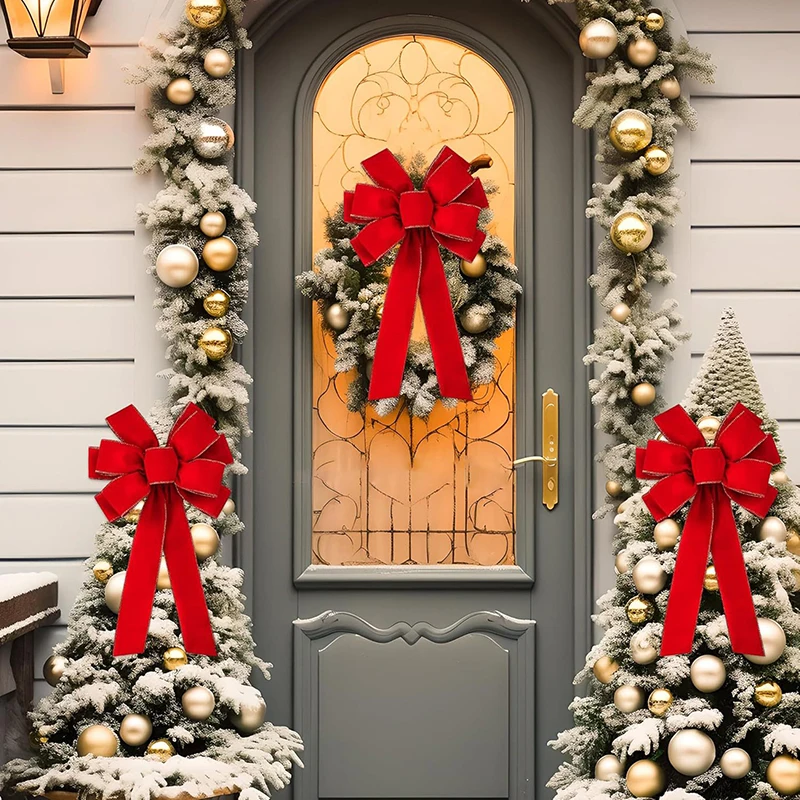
(735, 469)
(445, 212)
(188, 468)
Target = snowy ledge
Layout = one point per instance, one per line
(28, 600)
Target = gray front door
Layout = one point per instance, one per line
(424, 611)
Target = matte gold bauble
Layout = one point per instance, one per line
(198, 703)
(133, 514)
(642, 53)
(135, 729)
(205, 540)
(783, 774)
(622, 507)
(645, 778)
(229, 508)
(216, 343)
(174, 657)
(621, 312)
(793, 542)
(670, 87)
(213, 223)
(649, 576)
(251, 716)
(735, 763)
(709, 426)
(707, 673)
(640, 610)
(206, 14)
(217, 303)
(113, 593)
(666, 534)
(779, 477)
(772, 529)
(607, 767)
(97, 740)
(659, 702)
(604, 669)
(710, 581)
(218, 63)
(337, 317)
(629, 698)
(102, 570)
(475, 268)
(180, 92)
(631, 233)
(774, 640)
(643, 394)
(163, 581)
(768, 694)
(631, 131)
(691, 752)
(162, 749)
(177, 265)
(613, 489)
(474, 321)
(599, 38)
(657, 160)
(654, 21)
(642, 651)
(214, 138)
(53, 669)
(622, 562)
(220, 254)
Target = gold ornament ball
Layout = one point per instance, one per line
(622, 562)
(691, 752)
(659, 702)
(642, 53)
(213, 224)
(629, 698)
(251, 716)
(709, 426)
(654, 21)
(337, 317)
(621, 312)
(102, 570)
(645, 778)
(379, 312)
(229, 508)
(631, 131)
(163, 581)
(162, 749)
(474, 321)
(768, 694)
(205, 540)
(177, 265)
(648, 576)
(774, 640)
(779, 477)
(631, 233)
(135, 729)
(772, 529)
(220, 254)
(134, 513)
(670, 87)
(710, 581)
(793, 542)
(218, 63)
(613, 489)
(657, 160)
(206, 14)
(97, 740)
(783, 774)
(198, 703)
(735, 763)
(113, 593)
(643, 394)
(622, 507)
(475, 268)
(37, 739)
(640, 610)
(174, 657)
(607, 767)
(214, 138)
(180, 92)
(54, 668)
(707, 673)
(217, 303)
(642, 652)
(604, 669)
(599, 38)
(216, 343)
(666, 534)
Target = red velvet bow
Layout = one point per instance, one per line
(188, 468)
(735, 469)
(445, 212)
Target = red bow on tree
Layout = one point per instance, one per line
(735, 469)
(445, 212)
(188, 468)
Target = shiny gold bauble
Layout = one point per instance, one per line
(772, 529)
(604, 669)
(629, 698)
(162, 749)
(174, 657)
(53, 669)
(475, 268)
(206, 14)
(97, 740)
(229, 508)
(198, 703)
(642, 651)
(613, 489)
(768, 694)
(666, 534)
(133, 514)
(251, 716)
(645, 778)
(163, 581)
(642, 52)
(205, 540)
(102, 570)
(631, 233)
(640, 610)
(709, 426)
(793, 542)
(622, 562)
(643, 394)
(657, 160)
(779, 477)
(654, 21)
(649, 576)
(218, 63)
(216, 343)
(660, 701)
(735, 763)
(180, 92)
(177, 265)
(621, 312)
(599, 38)
(707, 673)
(607, 767)
(113, 593)
(774, 640)
(670, 87)
(217, 303)
(631, 131)
(474, 321)
(337, 317)
(783, 774)
(214, 138)
(135, 729)
(37, 739)
(691, 752)
(213, 223)
(379, 312)
(220, 254)
(710, 581)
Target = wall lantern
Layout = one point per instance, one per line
(49, 29)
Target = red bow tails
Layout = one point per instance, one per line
(188, 468)
(444, 212)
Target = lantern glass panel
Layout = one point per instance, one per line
(46, 18)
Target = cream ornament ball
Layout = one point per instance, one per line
(622, 562)
(205, 540)
(707, 673)
(691, 752)
(213, 223)
(177, 265)
(670, 87)
(648, 576)
(599, 38)
(474, 321)
(709, 426)
(53, 669)
(779, 477)
(113, 592)
(218, 63)
(642, 52)
(135, 729)
(198, 703)
(666, 534)
(214, 138)
(772, 529)
(163, 581)
(645, 778)
(773, 638)
(642, 651)
(783, 774)
(97, 740)
(180, 92)
(735, 763)
(629, 698)
(251, 715)
(337, 318)
(621, 312)
(229, 508)
(607, 767)
(604, 669)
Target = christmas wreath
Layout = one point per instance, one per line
(351, 295)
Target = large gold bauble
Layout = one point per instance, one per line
(691, 752)
(783, 774)
(707, 673)
(174, 657)
(135, 729)
(735, 763)
(475, 268)
(53, 669)
(629, 698)
(631, 233)
(710, 580)
(218, 63)
(709, 426)
(229, 508)
(670, 87)
(180, 92)
(216, 343)
(102, 570)
(772, 529)
(599, 38)
(163, 581)
(642, 52)
(177, 265)
(657, 160)
(774, 640)
(474, 321)
(622, 562)
(642, 651)
(251, 716)
(654, 21)
(613, 489)
(217, 303)
(604, 669)
(607, 767)
(213, 224)
(649, 576)
(97, 740)
(643, 394)
(640, 610)
(666, 534)
(113, 593)
(631, 131)
(337, 317)
(198, 703)
(220, 254)
(205, 540)
(162, 749)
(793, 542)
(768, 694)
(660, 701)
(206, 14)
(133, 514)
(645, 778)
(214, 138)
(621, 312)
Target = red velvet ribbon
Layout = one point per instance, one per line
(189, 468)
(444, 212)
(735, 469)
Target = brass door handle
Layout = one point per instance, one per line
(549, 460)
